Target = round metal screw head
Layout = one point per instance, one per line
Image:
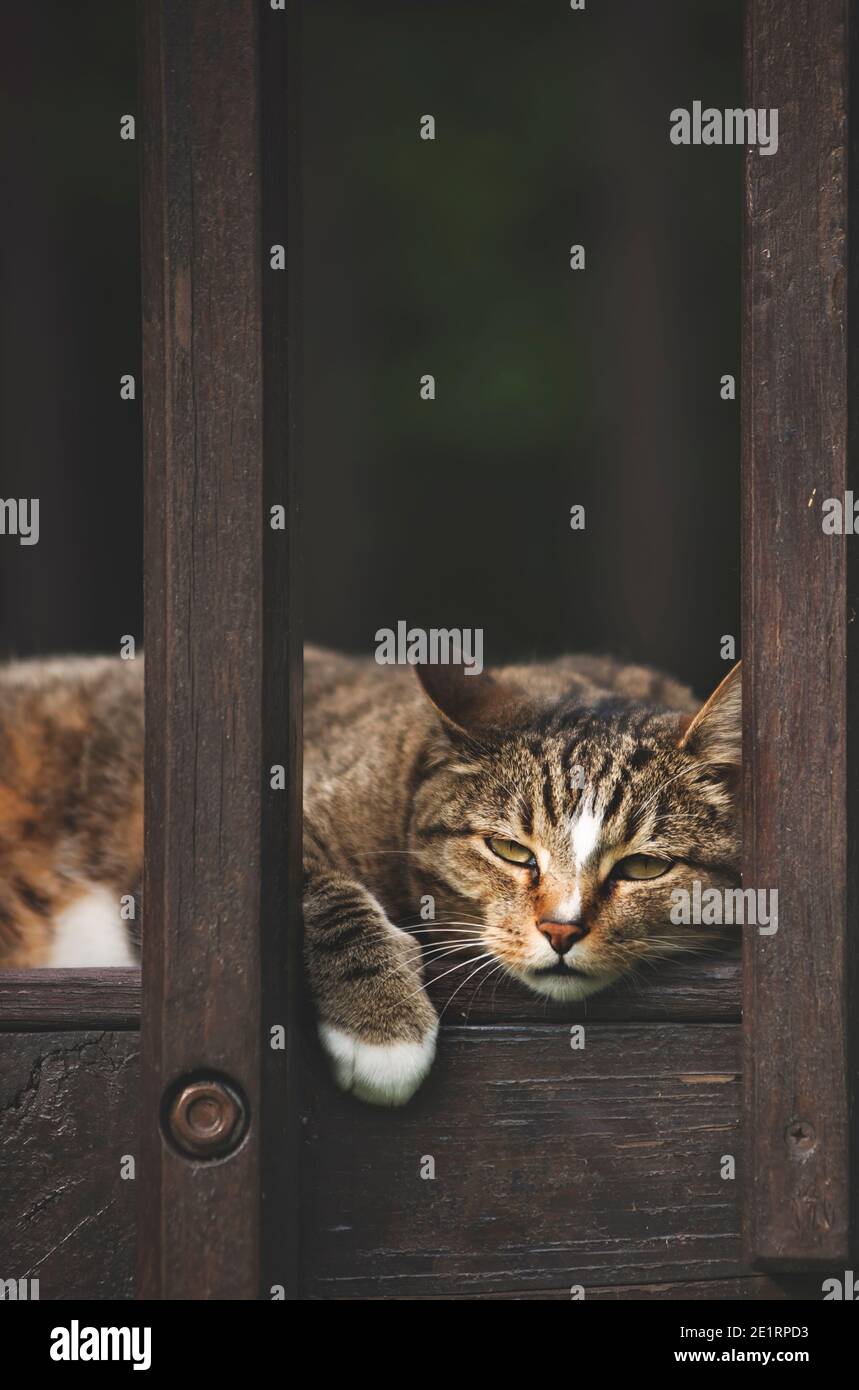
(206, 1119)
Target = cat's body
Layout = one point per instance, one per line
(71, 811)
(534, 820)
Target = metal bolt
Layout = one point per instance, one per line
(207, 1119)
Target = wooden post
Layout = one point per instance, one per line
(223, 666)
(799, 638)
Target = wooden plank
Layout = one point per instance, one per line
(68, 1118)
(553, 1167)
(752, 1289)
(281, 861)
(708, 990)
(800, 676)
(219, 713)
(64, 999)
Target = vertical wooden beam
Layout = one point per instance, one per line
(281, 845)
(799, 636)
(222, 647)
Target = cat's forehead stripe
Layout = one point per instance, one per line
(617, 795)
(609, 755)
(585, 833)
(549, 794)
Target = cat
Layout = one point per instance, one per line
(71, 811)
(546, 811)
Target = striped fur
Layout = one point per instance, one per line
(583, 761)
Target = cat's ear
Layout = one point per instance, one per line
(715, 733)
(472, 704)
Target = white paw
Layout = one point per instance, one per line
(383, 1074)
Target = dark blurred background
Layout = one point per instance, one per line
(554, 387)
(69, 280)
(449, 257)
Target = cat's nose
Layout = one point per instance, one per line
(562, 935)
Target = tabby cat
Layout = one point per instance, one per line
(545, 813)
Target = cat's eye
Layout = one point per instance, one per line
(511, 851)
(638, 866)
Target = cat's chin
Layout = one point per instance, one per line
(566, 989)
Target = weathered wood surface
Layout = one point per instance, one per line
(800, 602)
(217, 949)
(281, 865)
(539, 1177)
(752, 1289)
(553, 1167)
(708, 990)
(68, 1115)
(45, 999)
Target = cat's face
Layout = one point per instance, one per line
(561, 828)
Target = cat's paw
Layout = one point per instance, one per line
(381, 1073)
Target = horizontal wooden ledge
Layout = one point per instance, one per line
(600, 1166)
(41, 999)
(752, 1289)
(704, 990)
